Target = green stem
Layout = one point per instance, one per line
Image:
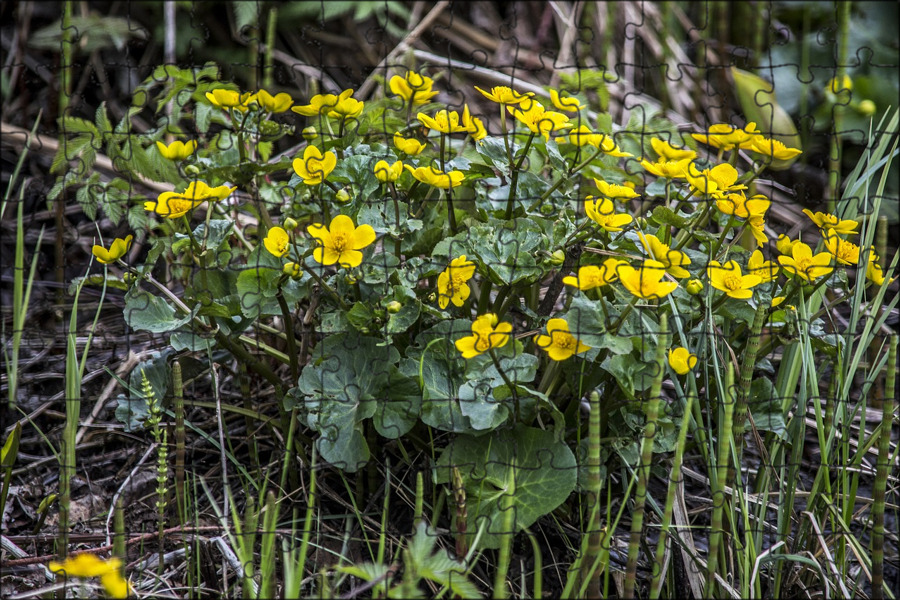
(881, 471)
(717, 532)
(325, 286)
(640, 497)
(515, 177)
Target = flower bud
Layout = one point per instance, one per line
(350, 279)
(866, 108)
(394, 307)
(291, 269)
(290, 224)
(342, 195)
(546, 209)
(694, 287)
(191, 170)
(642, 222)
(557, 258)
(310, 133)
(128, 277)
(269, 128)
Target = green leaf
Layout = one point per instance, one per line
(360, 315)
(631, 374)
(132, 409)
(545, 475)
(343, 384)
(146, 312)
(257, 289)
(765, 406)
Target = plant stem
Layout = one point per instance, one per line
(515, 177)
(718, 493)
(651, 409)
(881, 471)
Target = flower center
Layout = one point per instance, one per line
(340, 241)
(564, 340)
(803, 264)
(732, 281)
(484, 343)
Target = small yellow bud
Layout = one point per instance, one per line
(350, 279)
(394, 307)
(866, 108)
(694, 287)
(191, 170)
(642, 222)
(291, 269)
(310, 133)
(557, 258)
(290, 224)
(129, 277)
(342, 195)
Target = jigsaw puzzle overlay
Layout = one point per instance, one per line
(396, 299)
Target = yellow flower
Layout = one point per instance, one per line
(727, 137)
(341, 242)
(836, 86)
(873, 270)
(669, 153)
(681, 360)
(773, 148)
(116, 250)
(729, 279)
(226, 99)
(559, 343)
(473, 125)
(412, 88)
(739, 206)
(486, 334)
(670, 169)
(756, 224)
(277, 241)
(803, 264)
(313, 168)
(445, 121)
(568, 104)
(385, 172)
(608, 146)
(592, 276)
(409, 145)
(452, 282)
(540, 121)
(504, 95)
(346, 107)
(582, 136)
(176, 204)
(758, 265)
(602, 211)
(826, 221)
(672, 260)
(177, 150)
(274, 104)
(785, 245)
(715, 181)
(89, 565)
(434, 176)
(320, 104)
(844, 252)
(644, 282)
(615, 191)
